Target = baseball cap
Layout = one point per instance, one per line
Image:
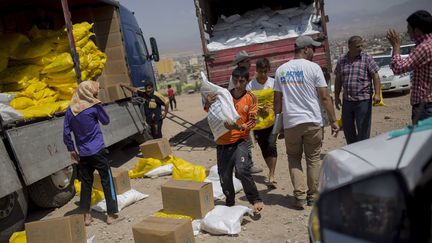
(305, 41)
(241, 56)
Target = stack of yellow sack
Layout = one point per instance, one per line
(38, 68)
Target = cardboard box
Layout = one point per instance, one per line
(156, 230)
(120, 178)
(189, 198)
(69, 229)
(156, 148)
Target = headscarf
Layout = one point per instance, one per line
(84, 96)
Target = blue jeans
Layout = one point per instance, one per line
(356, 120)
(425, 113)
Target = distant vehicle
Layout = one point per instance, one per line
(389, 81)
(405, 50)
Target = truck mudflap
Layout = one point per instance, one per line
(39, 148)
(9, 178)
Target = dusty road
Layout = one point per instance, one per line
(279, 221)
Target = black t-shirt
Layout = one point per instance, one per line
(152, 106)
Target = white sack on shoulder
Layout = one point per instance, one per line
(123, 200)
(223, 220)
(160, 171)
(221, 110)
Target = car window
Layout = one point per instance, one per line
(142, 45)
(382, 61)
(405, 50)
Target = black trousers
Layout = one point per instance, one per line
(171, 101)
(87, 165)
(232, 156)
(156, 129)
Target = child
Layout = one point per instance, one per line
(152, 107)
(82, 119)
(232, 147)
(266, 140)
(171, 97)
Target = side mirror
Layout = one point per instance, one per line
(372, 209)
(155, 51)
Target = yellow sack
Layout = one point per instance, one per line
(43, 60)
(36, 48)
(184, 170)
(265, 116)
(381, 103)
(10, 43)
(63, 105)
(36, 33)
(44, 93)
(61, 62)
(58, 82)
(40, 110)
(171, 216)
(48, 100)
(18, 237)
(339, 122)
(20, 103)
(19, 74)
(84, 40)
(81, 30)
(33, 88)
(143, 166)
(96, 195)
(66, 74)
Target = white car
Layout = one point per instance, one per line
(377, 190)
(389, 81)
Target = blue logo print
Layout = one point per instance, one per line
(294, 77)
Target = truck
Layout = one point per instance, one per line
(34, 163)
(273, 38)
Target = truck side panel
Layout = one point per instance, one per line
(8, 174)
(39, 147)
(278, 52)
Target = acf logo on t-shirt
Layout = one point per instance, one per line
(292, 77)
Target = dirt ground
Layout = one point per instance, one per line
(280, 222)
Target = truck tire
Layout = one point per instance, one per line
(46, 193)
(13, 212)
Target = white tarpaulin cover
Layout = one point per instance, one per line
(262, 25)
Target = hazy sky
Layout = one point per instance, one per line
(174, 23)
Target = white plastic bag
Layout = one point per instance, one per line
(160, 171)
(223, 220)
(221, 110)
(213, 177)
(123, 200)
(9, 114)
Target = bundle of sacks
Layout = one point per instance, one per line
(38, 68)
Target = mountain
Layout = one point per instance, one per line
(362, 22)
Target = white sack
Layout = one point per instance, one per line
(213, 177)
(6, 98)
(196, 226)
(9, 114)
(160, 171)
(221, 110)
(223, 220)
(123, 200)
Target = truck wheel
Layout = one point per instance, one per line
(55, 190)
(13, 212)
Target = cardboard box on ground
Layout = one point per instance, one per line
(121, 181)
(155, 230)
(69, 229)
(156, 148)
(191, 198)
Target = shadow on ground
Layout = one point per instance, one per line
(189, 138)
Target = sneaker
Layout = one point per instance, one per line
(300, 203)
(255, 169)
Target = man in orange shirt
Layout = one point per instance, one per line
(232, 147)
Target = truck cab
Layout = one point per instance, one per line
(34, 162)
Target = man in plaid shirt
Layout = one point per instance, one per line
(419, 62)
(354, 73)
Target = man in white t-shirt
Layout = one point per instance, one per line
(299, 87)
